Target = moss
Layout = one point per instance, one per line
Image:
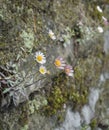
(78, 99)
(57, 96)
(23, 119)
(106, 1)
(64, 92)
(25, 127)
(55, 101)
(35, 18)
(87, 71)
(36, 104)
(93, 124)
(93, 13)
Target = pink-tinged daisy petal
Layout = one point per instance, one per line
(68, 70)
(105, 20)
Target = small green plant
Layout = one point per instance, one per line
(36, 104)
(28, 38)
(85, 127)
(26, 127)
(93, 124)
(62, 92)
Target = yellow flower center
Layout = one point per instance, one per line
(42, 70)
(57, 63)
(51, 34)
(39, 58)
(67, 70)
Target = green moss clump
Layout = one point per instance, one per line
(87, 71)
(64, 91)
(93, 124)
(26, 127)
(55, 100)
(57, 95)
(78, 99)
(36, 104)
(23, 119)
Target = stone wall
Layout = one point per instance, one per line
(29, 99)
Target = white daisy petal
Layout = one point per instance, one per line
(100, 29)
(71, 74)
(51, 35)
(99, 9)
(105, 19)
(61, 67)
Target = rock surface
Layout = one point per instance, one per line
(24, 29)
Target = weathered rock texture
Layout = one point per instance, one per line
(24, 27)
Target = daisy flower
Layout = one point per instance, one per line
(100, 29)
(51, 34)
(40, 58)
(105, 20)
(68, 70)
(59, 63)
(99, 9)
(42, 70)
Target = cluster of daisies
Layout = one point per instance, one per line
(41, 59)
(59, 63)
(100, 29)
